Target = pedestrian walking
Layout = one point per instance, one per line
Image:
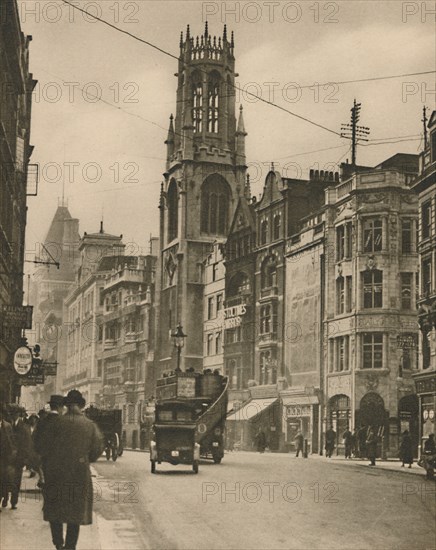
(7, 456)
(67, 446)
(299, 441)
(330, 441)
(361, 441)
(45, 425)
(406, 449)
(23, 444)
(371, 446)
(260, 441)
(428, 457)
(348, 441)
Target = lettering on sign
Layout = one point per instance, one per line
(232, 316)
(22, 360)
(297, 410)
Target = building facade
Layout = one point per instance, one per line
(205, 175)
(16, 85)
(126, 327)
(49, 286)
(425, 379)
(213, 315)
(99, 254)
(370, 327)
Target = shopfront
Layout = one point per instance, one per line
(300, 414)
(425, 383)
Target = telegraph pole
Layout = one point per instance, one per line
(354, 132)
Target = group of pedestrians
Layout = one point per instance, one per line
(58, 447)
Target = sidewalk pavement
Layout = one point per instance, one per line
(25, 529)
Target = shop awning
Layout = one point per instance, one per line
(300, 400)
(252, 408)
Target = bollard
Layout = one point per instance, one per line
(305, 453)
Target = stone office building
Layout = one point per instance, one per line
(425, 378)
(371, 327)
(16, 86)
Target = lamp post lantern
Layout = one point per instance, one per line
(179, 341)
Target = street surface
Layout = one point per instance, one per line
(262, 501)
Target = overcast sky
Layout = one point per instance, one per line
(282, 43)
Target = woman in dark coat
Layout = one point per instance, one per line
(406, 450)
(73, 442)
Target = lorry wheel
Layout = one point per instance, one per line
(108, 454)
(114, 454)
(120, 451)
(153, 466)
(217, 459)
(195, 466)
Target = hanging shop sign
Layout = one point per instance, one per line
(23, 360)
(232, 315)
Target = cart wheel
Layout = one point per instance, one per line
(108, 454)
(120, 451)
(114, 454)
(153, 466)
(217, 459)
(195, 466)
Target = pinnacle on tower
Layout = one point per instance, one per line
(206, 30)
(247, 190)
(181, 39)
(225, 33)
(232, 41)
(188, 36)
(241, 125)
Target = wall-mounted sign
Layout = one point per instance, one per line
(297, 410)
(17, 316)
(34, 377)
(232, 315)
(406, 341)
(23, 360)
(50, 368)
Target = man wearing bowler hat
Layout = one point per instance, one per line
(71, 443)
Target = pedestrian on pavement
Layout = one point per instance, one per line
(429, 456)
(23, 444)
(45, 425)
(8, 453)
(348, 440)
(371, 446)
(299, 441)
(68, 446)
(406, 449)
(361, 440)
(35, 464)
(260, 441)
(330, 441)
(355, 444)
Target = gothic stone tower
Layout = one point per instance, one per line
(204, 177)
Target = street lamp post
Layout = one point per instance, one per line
(179, 341)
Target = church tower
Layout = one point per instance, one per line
(204, 177)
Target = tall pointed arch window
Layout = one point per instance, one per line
(173, 210)
(215, 201)
(213, 106)
(197, 111)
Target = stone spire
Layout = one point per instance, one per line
(169, 142)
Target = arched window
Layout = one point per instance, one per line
(215, 200)
(239, 284)
(269, 272)
(212, 110)
(197, 111)
(173, 210)
(263, 231)
(276, 226)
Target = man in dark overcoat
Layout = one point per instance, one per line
(72, 442)
(330, 441)
(7, 455)
(371, 446)
(24, 447)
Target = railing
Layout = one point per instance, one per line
(269, 292)
(109, 343)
